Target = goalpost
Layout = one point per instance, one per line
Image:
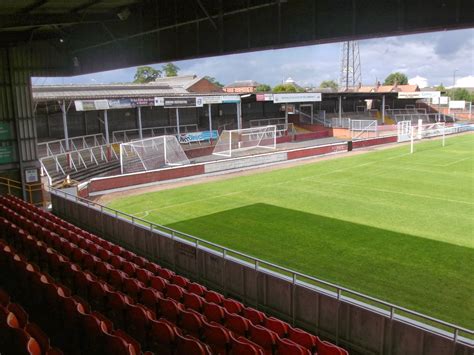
(150, 154)
(237, 140)
(423, 131)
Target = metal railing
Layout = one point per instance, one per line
(425, 117)
(10, 185)
(319, 117)
(46, 149)
(384, 308)
(128, 135)
(73, 161)
(343, 122)
(282, 128)
(405, 111)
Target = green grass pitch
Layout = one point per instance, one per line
(393, 225)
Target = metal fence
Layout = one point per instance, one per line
(392, 312)
(128, 135)
(343, 122)
(58, 146)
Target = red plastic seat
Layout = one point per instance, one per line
(263, 337)
(132, 287)
(214, 312)
(37, 333)
(152, 267)
(161, 337)
(256, 317)
(175, 292)
(217, 337)
(117, 278)
(232, 306)
(243, 346)
(158, 283)
(326, 348)
(22, 343)
(180, 281)
(150, 297)
(193, 301)
(192, 322)
(129, 268)
(144, 276)
(116, 345)
(4, 298)
(303, 338)
(104, 254)
(89, 262)
(170, 309)
(103, 270)
(116, 304)
(288, 347)
(165, 273)
(134, 345)
(77, 255)
(97, 294)
(276, 325)
(139, 260)
(137, 318)
(237, 324)
(214, 297)
(19, 313)
(190, 345)
(116, 261)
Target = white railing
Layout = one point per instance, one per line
(405, 111)
(343, 122)
(66, 163)
(58, 146)
(281, 126)
(425, 117)
(389, 310)
(363, 128)
(319, 117)
(128, 135)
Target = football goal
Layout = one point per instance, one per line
(150, 154)
(422, 131)
(233, 141)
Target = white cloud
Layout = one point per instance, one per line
(418, 80)
(465, 82)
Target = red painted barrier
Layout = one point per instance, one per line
(303, 153)
(144, 178)
(312, 135)
(374, 141)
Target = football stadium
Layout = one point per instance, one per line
(172, 214)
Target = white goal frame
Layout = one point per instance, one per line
(238, 140)
(152, 153)
(427, 131)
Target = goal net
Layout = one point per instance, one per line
(422, 131)
(151, 153)
(233, 141)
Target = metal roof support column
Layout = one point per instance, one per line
(139, 115)
(239, 115)
(286, 114)
(383, 109)
(66, 135)
(210, 122)
(340, 106)
(106, 123)
(177, 120)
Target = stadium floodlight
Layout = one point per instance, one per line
(237, 140)
(151, 153)
(430, 130)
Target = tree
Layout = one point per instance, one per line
(286, 88)
(170, 69)
(263, 88)
(460, 94)
(440, 87)
(214, 81)
(396, 78)
(329, 84)
(146, 74)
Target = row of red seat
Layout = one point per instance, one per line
(205, 314)
(17, 334)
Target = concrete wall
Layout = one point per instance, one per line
(341, 320)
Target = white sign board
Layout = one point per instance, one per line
(230, 99)
(457, 104)
(419, 95)
(31, 175)
(297, 97)
(159, 101)
(442, 100)
(207, 100)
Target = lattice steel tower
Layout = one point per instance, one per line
(351, 74)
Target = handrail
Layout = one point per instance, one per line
(30, 188)
(294, 275)
(152, 129)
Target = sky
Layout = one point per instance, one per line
(430, 58)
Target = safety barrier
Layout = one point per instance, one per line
(128, 135)
(59, 146)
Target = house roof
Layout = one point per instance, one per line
(389, 88)
(242, 83)
(182, 81)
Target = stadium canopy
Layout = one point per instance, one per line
(63, 37)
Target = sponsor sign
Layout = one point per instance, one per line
(197, 136)
(457, 104)
(143, 101)
(207, 100)
(297, 97)
(419, 95)
(442, 100)
(231, 99)
(6, 153)
(159, 101)
(31, 175)
(120, 103)
(91, 105)
(5, 130)
(182, 102)
(264, 97)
